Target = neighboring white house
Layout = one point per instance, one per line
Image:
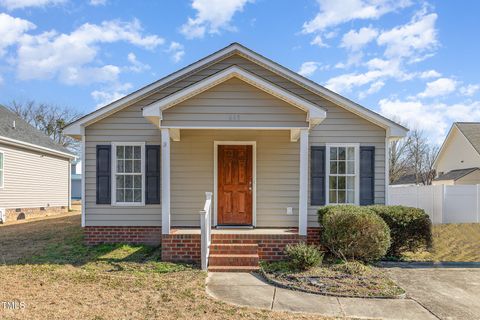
(458, 162)
(34, 171)
(76, 179)
(271, 145)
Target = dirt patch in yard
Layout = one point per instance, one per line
(45, 266)
(351, 279)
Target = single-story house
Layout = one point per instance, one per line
(458, 161)
(407, 180)
(271, 145)
(34, 171)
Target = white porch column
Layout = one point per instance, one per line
(165, 181)
(303, 196)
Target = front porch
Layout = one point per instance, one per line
(232, 249)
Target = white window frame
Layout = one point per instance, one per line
(114, 173)
(2, 169)
(356, 147)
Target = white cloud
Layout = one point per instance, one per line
(136, 66)
(430, 74)
(318, 41)
(379, 69)
(108, 95)
(21, 4)
(11, 29)
(439, 87)
(374, 87)
(51, 54)
(308, 68)
(86, 75)
(334, 12)
(211, 17)
(469, 90)
(98, 2)
(176, 50)
(355, 40)
(411, 40)
(434, 119)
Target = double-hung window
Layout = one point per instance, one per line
(2, 169)
(129, 175)
(342, 183)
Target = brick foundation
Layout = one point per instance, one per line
(187, 247)
(29, 213)
(181, 247)
(132, 235)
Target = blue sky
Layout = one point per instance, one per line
(414, 61)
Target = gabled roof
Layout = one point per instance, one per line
(393, 129)
(471, 132)
(315, 114)
(26, 135)
(456, 174)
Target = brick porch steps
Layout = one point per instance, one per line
(234, 248)
(233, 257)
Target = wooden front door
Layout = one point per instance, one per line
(235, 185)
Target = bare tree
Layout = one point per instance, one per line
(49, 119)
(398, 159)
(413, 155)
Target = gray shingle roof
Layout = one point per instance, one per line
(471, 130)
(24, 132)
(406, 179)
(456, 174)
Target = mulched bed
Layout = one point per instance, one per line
(343, 280)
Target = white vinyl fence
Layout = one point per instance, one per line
(444, 204)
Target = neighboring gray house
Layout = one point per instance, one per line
(34, 171)
(270, 144)
(76, 179)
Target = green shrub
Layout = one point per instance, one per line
(303, 256)
(353, 232)
(410, 228)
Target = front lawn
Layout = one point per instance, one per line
(452, 242)
(45, 266)
(344, 279)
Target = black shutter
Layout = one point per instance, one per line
(317, 179)
(367, 176)
(104, 173)
(152, 174)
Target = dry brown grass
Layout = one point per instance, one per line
(452, 242)
(44, 265)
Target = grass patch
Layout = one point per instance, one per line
(451, 242)
(345, 279)
(45, 265)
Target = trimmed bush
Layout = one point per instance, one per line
(303, 256)
(410, 228)
(353, 232)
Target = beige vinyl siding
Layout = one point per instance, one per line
(192, 157)
(234, 103)
(127, 125)
(342, 126)
(457, 153)
(33, 179)
(277, 162)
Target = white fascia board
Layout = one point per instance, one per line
(224, 75)
(35, 147)
(442, 148)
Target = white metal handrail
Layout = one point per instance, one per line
(206, 229)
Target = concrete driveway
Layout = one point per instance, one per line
(448, 293)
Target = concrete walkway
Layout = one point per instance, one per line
(249, 290)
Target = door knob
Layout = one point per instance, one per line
(250, 186)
